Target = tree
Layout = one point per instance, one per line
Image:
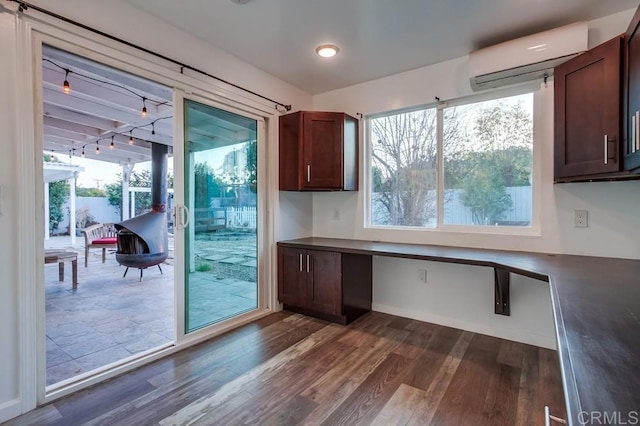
(90, 192)
(486, 147)
(58, 194)
(140, 179)
(404, 172)
(252, 165)
(207, 185)
(484, 192)
(500, 157)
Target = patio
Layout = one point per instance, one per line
(109, 318)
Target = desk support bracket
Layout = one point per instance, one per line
(502, 305)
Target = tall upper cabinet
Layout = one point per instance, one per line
(587, 113)
(632, 95)
(318, 151)
(597, 111)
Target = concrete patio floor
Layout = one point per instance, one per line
(109, 318)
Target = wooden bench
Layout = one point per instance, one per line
(101, 235)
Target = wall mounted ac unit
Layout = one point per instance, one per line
(526, 58)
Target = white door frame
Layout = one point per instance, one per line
(32, 33)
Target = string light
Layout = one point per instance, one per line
(144, 107)
(66, 88)
(131, 139)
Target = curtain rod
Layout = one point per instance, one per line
(24, 6)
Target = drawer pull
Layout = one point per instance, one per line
(300, 262)
(548, 418)
(606, 149)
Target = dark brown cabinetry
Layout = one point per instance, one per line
(318, 151)
(588, 114)
(632, 96)
(330, 285)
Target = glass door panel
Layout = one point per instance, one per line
(221, 196)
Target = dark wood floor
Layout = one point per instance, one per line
(289, 369)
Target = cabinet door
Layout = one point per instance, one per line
(322, 150)
(324, 282)
(632, 93)
(291, 278)
(587, 112)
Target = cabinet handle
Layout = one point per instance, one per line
(637, 141)
(606, 149)
(300, 262)
(307, 263)
(308, 172)
(548, 418)
(633, 132)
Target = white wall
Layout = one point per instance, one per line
(459, 295)
(122, 20)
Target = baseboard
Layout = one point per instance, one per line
(548, 342)
(10, 409)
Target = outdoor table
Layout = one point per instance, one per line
(61, 256)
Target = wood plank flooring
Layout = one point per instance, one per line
(288, 369)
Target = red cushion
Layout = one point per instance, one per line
(105, 240)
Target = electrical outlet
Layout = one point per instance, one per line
(581, 219)
(336, 213)
(422, 275)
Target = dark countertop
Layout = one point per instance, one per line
(596, 306)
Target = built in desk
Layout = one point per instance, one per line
(596, 308)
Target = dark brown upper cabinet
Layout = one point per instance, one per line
(588, 108)
(631, 93)
(318, 151)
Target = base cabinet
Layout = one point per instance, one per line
(325, 284)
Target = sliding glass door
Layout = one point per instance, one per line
(221, 235)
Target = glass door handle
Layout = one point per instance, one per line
(181, 214)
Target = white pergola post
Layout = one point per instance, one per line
(126, 178)
(133, 203)
(47, 231)
(72, 208)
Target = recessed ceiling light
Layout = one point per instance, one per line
(327, 50)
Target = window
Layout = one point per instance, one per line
(486, 151)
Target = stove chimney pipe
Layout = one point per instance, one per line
(159, 160)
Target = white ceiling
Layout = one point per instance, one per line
(376, 37)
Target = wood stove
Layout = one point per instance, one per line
(143, 240)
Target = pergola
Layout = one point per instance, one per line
(95, 111)
(100, 117)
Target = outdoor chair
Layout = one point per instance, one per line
(101, 235)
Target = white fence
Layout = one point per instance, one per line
(242, 217)
(456, 213)
(98, 207)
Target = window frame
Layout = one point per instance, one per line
(440, 227)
